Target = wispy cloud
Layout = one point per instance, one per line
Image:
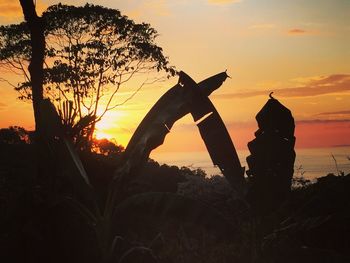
(2, 106)
(222, 2)
(321, 121)
(337, 83)
(252, 125)
(303, 32)
(334, 113)
(297, 31)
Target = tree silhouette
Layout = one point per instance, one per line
(91, 52)
(14, 135)
(35, 42)
(106, 147)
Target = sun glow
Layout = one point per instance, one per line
(98, 134)
(110, 126)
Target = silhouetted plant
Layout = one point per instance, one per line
(339, 172)
(107, 147)
(271, 163)
(14, 135)
(89, 50)
(300, 182)
(33, 46)
(106, 218)
(76, 128)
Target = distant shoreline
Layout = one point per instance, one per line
(314, 162)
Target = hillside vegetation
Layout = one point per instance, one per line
(204, 223)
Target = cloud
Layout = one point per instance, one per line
(235, 125)
(321, 121)
(2, 106)
(297, 31)
(335, 113)
(337, 83)
(223, 2)
(252, 123)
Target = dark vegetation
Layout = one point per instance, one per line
(271, 162)
(66, 201)
(208, 225)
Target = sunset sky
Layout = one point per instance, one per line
(298, 49)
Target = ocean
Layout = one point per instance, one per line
(310, 163)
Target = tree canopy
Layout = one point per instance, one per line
(14, 135)
(91, 52)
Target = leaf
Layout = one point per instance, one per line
(65, 153)
(151, 132)
(77, 165)
(180, 100)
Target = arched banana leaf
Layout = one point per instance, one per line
(186, 97)
(172, 106)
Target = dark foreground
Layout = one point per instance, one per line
(168, 214)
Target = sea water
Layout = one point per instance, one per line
(310, 163)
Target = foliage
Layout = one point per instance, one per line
(77, 129)
(206, 188)
(195, 172)
(107, 147)
(100, 217)
(14, 135)
(313, 224)
(300, 182)
(91, 52)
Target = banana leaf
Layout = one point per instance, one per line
(62, 151)
(172, 106)
(186, 97)
(216, 138)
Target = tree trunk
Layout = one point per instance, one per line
(36, 28)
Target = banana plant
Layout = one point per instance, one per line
(185, 97)
(76, 130)
(173, 105)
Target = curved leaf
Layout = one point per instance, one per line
(64, 151)
(172, 106)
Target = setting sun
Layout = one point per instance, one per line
(105, 129)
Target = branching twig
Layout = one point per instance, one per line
(8, 82)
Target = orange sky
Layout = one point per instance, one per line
(298, 49)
